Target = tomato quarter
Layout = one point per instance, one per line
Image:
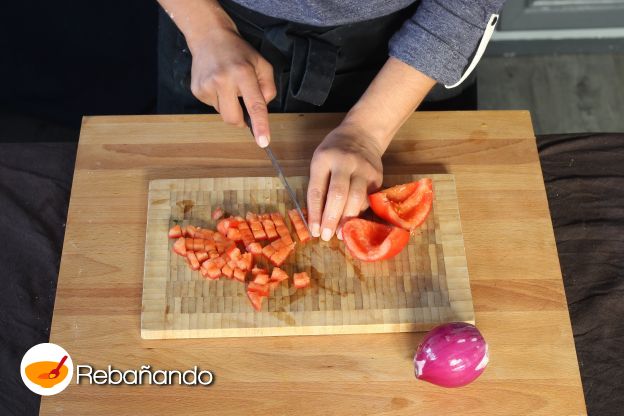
(372, 241)
(405, 206)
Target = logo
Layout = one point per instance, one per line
(47, 369)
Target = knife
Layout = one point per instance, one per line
(278, 169)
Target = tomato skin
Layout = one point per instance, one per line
(406, 206)
(372, 241)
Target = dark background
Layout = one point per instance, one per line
(60, 60)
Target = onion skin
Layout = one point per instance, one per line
(451, 355)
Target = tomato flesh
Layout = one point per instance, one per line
(406, 206)
(372, 241)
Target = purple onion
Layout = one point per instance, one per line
(451, 355)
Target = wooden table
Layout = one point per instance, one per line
(517, 288)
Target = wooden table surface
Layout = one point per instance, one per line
(514, 270)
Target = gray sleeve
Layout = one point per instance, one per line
(441, 37)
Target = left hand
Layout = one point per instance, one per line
(346, 166)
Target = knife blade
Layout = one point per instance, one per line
(278, 169)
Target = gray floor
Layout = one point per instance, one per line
(565, 93)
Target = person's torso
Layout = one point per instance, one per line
(325, 12)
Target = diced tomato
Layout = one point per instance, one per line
(268, 251)
(232, 264)
(179, 247)
(213, 254)
(239, 274)
(175, 231)
(278, 275)
(258, 270)
(193, 259)
(205, 234)
(233, 253)
(301, 280)
(217, 213)
(189, 243)
(245, 232)
(218, 262)
(279, 257)
(262, 278)
(254, 248)
(405, 206)
(198, 244)
(227, 271)
(190, 231)
(262, 290)
(256, 300)
(211, 271)
(372, 241)
(202, 256)
(234, 234)
(269, 229)
(278, 244)
(259, 234)
(209, 246)
(300, 228)
(247, 261)
(225, 224)
(277, 218)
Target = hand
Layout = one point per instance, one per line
(345, 168)
(226, 67)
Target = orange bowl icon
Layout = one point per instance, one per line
(40, 373)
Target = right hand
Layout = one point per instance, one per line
(226, 67)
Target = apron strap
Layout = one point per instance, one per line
(312, 70)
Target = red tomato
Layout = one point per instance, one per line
(217, 213)
(301, 280)
(256, 300)
(179, 247)
(405, 206)
(371, 241)
(175, 232)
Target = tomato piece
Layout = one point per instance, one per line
(268, 251)
(213, 254)
(233, 253)
(239, 274)
(269, 229)
(217, 213)
(256, 300)
(210, 271)
(405, 206)
(190, 231)
(254, 248)
(279, 257)
(278, 275)
(258, 270)
(300, 228)
(262, 278)
(372, 241)
(193, 260)
(205, 234)
(247, 261)
(225, 224)
(262, 289)
(175, 231)
(227, 271)
(179, 247)
(245, 233)
(202, 256)
(301, 280)
(198, 244)
(234, 234)
(278, 244)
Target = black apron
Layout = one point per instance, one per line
(315, 68)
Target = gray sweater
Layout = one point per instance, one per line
(439, 40)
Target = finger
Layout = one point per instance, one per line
(229, 107)
(317, 187)
(264, 71)
(355, 201)
(256, 106)
(334, 203)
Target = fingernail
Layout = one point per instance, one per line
(263, 141)
(327, 234)
(315, 229)
(339, 234)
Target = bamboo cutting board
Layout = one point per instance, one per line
(426, 284)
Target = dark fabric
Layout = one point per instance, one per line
(316, 69)
(584, 176)
(35, 180)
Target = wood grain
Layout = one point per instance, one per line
(425, 285)
(518, 294)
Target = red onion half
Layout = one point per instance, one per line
(451, 355)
